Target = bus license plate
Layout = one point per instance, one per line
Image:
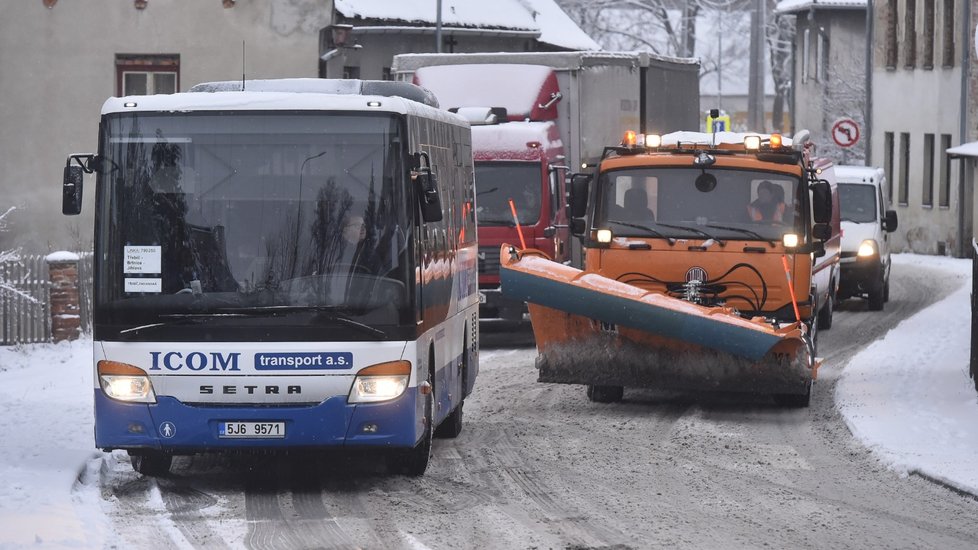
(253, 430)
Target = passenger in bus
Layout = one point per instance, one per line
(768, 206)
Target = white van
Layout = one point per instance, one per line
(867, 223)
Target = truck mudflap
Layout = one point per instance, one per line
(593, 330)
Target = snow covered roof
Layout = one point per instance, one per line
(795, 6)
(964, 150)
(478, 85)
(543, 16)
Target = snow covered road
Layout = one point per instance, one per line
(537, 466)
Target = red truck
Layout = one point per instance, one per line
(534, 117)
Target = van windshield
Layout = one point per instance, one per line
(857, 202)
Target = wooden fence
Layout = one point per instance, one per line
(25, 312)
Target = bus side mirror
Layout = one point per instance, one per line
(71, 190)
(890, 221)
(428, 197)
(821, 201)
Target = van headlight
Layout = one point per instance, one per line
(125, 382)
(867, 248)
(380, 382)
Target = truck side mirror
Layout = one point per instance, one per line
(821, 201)
(578, 194)
(428, 197)
(890, 221)
(822, 231)
(71, 190)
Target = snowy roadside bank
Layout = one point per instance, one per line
(908, 397)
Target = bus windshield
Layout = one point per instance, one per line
(252, 214)
(668, 202)
(498, 182)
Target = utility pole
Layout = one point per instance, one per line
(755, 83)
(438, 27)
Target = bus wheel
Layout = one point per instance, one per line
(151, 463)
(414, 462)
(452, 425)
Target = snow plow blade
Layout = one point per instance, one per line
(593, 330)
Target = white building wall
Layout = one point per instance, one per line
(919, 102)
(57, 67)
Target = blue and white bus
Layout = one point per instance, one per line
(288, 267)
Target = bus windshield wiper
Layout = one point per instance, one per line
(320, 311)
(698, 231)
(744, 231)
(654, 232)
(179, 319)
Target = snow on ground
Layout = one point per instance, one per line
(907, 397)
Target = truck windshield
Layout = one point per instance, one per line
(240, 215)
(744, 204)
(498, 182)
(857, 202)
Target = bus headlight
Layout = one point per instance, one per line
(380, 382)
(867, 248)
(125, 382)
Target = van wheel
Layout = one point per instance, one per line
(886, 290)
(825, 314)
(605, 394)
(151, 463)
(877, 296)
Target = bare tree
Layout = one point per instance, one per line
(10, 255)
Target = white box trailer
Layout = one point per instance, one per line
(603, 93)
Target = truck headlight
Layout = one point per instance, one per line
(790, 240)
(125, 382)
(603, 235)
(380, 382)
(867, 248)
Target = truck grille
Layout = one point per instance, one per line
(488, 260)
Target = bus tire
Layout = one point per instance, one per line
(451, 427)
(414, 462)
(151, 463)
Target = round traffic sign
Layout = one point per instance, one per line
(845, 132)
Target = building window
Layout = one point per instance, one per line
(947, 31)
(910, 35)
(891, 34)
(821, 57)
(806, 40)
(888, 163)
(351, 71)
(147, 74)
(929, 14)
(904, 168)
(944, 194)
(927, 197)
(385, 73)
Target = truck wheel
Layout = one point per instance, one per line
(605, 394)
(876, 297)
(794, 400)
(151, 463)
(825, 314)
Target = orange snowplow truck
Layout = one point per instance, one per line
(749, 222)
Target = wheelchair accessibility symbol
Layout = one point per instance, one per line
(167, 429)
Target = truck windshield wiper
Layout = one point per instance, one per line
(654, 232)
(322, 314)
(745, 231)
(698, 231)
